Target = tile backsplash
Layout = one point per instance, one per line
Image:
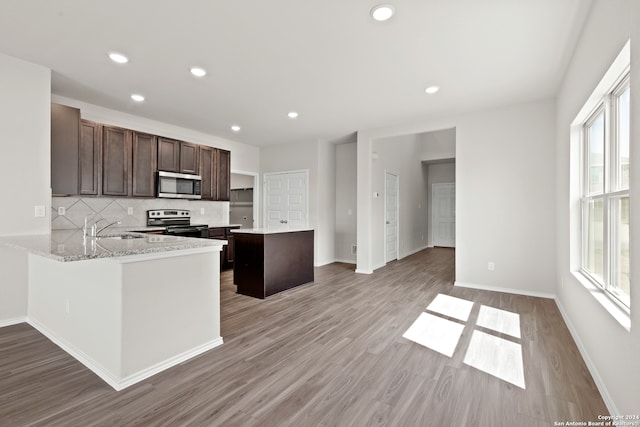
(117, 209)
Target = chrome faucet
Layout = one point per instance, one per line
(92, 230)
(106, 226)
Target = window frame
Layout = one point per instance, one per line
(611, 194)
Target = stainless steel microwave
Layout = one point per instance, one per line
(179, 185)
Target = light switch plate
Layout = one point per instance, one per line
(62, 211)
(129, 211)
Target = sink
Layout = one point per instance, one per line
(121, 236)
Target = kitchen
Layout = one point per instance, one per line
(30, 84)
(91, 227)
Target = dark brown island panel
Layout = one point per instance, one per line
(271, 261)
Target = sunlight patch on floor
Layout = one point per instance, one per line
(436, 333)
(486, 352)
(498, 320)
(496, 356)
(457, 308)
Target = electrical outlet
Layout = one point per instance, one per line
(67, 306)
(201, 211)
(39, 211)
(491, 266)
(129, 211)
(354, 249)
(62, 211)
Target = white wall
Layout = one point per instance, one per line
(440, 144)
(319, 159)
(24, 171)
(346, 202)
(244, 158)
(609, 349)
(402, 156)
(504, 201)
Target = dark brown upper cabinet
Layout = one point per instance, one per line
(144, 165)
(208, 170)
(65, 139)
(224, 175)
(116, 161)
(168, 155)
(188, 158)
(89, 158)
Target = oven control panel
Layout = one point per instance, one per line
(169, 213)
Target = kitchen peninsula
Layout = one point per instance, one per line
(127, 305)
(271, 260)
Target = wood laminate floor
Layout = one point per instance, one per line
(330, 353)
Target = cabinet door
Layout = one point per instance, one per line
(224, 175)
(116, 161)
(89, 158)
(207, 160)
(168, 155)
(230, 248)
(188, 158)
(65, 138)
(144, 165)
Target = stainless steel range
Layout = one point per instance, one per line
(177, 222)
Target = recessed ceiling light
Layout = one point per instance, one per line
(382, 12)
(292, 115)
(198, 72)
(235, 128)
(118, 57)
(136, 97)
(432, 89)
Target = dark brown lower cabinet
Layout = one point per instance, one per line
(266, 264)
(227, 252)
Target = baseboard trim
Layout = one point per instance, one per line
(169, 363)
(11, 322)
(505, 290)
(346, 261)
(608, 401)
(361, 271)
(116, 383)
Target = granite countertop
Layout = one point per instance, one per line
(69, 245)
(271, 230)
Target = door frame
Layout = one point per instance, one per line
(433, 211)
(256, 196)
(265, 193)
(384, 222)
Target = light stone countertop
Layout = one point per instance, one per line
(69, 245)
(270, 230)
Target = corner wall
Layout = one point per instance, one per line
(611, 352)
(25, 135)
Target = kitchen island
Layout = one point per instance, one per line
(126, 307)
(271, 260)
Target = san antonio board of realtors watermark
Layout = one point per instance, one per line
(605, 421)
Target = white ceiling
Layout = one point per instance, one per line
(327, 60)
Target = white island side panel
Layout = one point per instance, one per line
(171, 311)
(78, 306)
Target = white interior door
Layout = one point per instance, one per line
(286, 199)
(443, 214)
(391, 216)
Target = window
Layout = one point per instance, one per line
(605, 193)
